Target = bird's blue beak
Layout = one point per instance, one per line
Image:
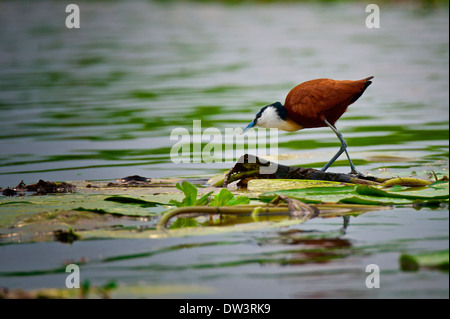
(248, 127)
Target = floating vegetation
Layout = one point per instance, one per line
(96, 211)
(190, 196)
(41, 188)
(433, 259)
(66, 236)
(367, 195)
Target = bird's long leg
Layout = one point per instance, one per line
(342, 149)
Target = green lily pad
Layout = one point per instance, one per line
(438, 190)
(264, 185)
(364, 194)
(313, 195)
(40, 218)
(435, 259)
(13, 208)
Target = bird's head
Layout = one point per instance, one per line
(270, 116)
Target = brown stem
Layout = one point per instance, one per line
(248, 166)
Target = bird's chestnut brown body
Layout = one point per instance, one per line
(314, 103)
(310, 103)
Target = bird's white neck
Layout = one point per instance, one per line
(271, 119)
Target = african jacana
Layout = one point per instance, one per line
(315, 103)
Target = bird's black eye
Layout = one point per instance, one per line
(260, 112)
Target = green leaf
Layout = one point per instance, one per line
(364, 194)
(190, 196)
(436, 259)
(203, 200)
(264, 185)
(423, 193)
(227, 198)
(222, 198)
(176, 203)
(313, 195)
(373, 200)
(190, 192)
(239, 200)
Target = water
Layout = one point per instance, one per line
(100, 102)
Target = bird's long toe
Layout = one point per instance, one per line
(357, 173)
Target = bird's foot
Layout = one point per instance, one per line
(357, 173)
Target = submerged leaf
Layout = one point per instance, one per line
(130, 200)
(227, 198)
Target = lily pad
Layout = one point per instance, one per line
(42, 218)
(438, 190)
(365, 194)
(264, 185)
(435, 259)
(313, 194)
(11, 208)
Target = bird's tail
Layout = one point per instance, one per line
(368, 82)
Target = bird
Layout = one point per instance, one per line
(312, 104)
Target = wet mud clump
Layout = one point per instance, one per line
(134, 180)
(40, 188)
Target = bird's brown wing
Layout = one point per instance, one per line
(312, 101)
